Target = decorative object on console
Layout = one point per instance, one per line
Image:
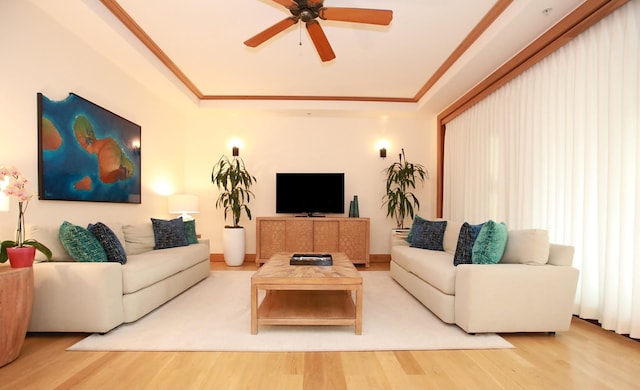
(184, 204)
(87, 153)
(234, 181)
(401, 179)
(308, 11)
(21, 246)
(354, 208)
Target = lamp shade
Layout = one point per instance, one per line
(184, 204)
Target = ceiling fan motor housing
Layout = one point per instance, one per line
(306, 11)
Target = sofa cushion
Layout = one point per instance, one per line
(190, 231)
(428, 234)
(145, 269)
(466, 239)
(490, 243)
(434, 267)
(50, 237)
(109, 242)
(169, 233)
(138, 238)
(529, 246)
(81, 244)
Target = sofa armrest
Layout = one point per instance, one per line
(76, 297)
(514, 297)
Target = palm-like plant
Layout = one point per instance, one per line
(401, 179)
(234, 182)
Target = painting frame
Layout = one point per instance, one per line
(87, 153)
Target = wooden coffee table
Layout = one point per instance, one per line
(307, 295)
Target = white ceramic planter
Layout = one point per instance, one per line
(233, 246)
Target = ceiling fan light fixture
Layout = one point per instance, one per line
(308, 11)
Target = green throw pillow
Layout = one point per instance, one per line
(81, 244)
(490, 243)
(190, 231)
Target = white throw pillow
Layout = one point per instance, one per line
(450, 241)
(138, 238)
(528, 246)
(49, 237)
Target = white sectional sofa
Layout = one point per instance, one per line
(96, 297)
(500, 298)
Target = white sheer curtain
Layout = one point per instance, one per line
(558, 148)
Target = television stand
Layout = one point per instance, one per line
(310, 215)
(313, 235)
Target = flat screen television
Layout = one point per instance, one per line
(310, 193)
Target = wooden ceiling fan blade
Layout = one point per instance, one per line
(357, 15)
(287, 3)
(270, 32)
(320, 41)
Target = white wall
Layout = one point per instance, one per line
(304, 142)
(39, 55)
(180, 145)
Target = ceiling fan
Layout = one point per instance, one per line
(308, 11)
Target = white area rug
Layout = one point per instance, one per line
(215, 315)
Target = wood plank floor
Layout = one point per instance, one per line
(586, 357)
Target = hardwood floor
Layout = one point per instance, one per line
(586, 357)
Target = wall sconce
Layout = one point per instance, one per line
(135, 147)
(235, 151)
(184, 204)
(382, 146)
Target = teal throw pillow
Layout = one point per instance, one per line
(109, 242)
(466, 238)
(169, 234)
(81, 244)
(190, 231)
(428, 234)
(490, 243)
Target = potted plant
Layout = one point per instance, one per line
(401, 180)
(20, 251)
(234, 183)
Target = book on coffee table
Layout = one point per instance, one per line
(311, 259)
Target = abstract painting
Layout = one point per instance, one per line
(86, 153)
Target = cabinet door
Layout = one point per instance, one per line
(354, 240)
(326, 236)
(299, 235)
(272, 238)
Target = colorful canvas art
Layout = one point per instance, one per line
(86, 153)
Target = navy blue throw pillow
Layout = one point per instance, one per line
(169, 233)
(428, 234)
(466, 239)
(109, 242)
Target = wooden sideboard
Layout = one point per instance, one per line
(313, 235)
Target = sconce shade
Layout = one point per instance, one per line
(383, 152)
(235, 151)
(183, 204)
